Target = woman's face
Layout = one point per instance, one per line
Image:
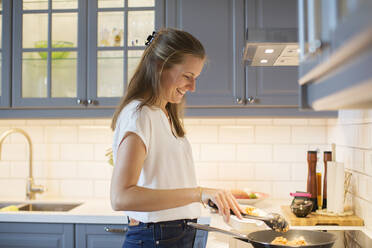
(180, 78)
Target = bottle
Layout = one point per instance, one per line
(326, 157)
(311, 178)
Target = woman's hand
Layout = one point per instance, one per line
(224, 200)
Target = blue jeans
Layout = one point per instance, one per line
(167, 234)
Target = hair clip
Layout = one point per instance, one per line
(150, 38)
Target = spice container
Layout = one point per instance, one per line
(311, 178)
(301, 205)
(327, 156)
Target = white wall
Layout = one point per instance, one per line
(352, 133)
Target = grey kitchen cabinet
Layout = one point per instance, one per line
(81, 54)
(37, 235)
(271, 85)
(5, 50)
(100, 236)
(227, 86)
(336, 55)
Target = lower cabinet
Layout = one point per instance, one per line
(99, 236)
(59, 235)
(36, 235)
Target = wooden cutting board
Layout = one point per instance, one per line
(314, 219)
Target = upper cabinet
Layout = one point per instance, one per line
(82, 52)
(336, 54)
(5, 53)
(228, 86)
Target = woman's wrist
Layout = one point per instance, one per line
(200, 189)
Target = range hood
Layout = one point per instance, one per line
(272, 47)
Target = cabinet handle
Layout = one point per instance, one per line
(251, 99)
(92, 102)
(240, 100)
(115, 230)
(82, 102)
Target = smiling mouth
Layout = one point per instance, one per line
(181, 92)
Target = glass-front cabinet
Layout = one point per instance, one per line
(77, 53)
(5, 50)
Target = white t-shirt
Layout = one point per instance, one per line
(168, 163)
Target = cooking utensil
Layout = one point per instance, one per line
(273, 220)
(314, 239)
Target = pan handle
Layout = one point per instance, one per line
(215, 229)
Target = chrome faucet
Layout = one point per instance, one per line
(31, 188)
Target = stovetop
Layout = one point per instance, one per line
(351, 239)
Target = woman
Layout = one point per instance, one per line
(154, 177)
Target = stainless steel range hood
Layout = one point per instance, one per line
(272, 47)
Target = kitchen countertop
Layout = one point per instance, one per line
(100, 212)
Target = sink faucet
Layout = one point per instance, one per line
(31, 188)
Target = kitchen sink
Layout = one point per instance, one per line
(41, 206)
(54, 207)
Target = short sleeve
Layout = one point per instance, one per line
(136, 121)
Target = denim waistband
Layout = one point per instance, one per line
(182, 222)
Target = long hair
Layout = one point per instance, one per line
(168, 48)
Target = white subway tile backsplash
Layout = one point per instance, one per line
(292, 122)
(94, 170)
(318, 122)
(61, 135)
(19, 169)
(368, 162)
(102, 188)
(46, 152)
(99, 152)
(290, 153)
(13, 188)
(60, 169)
(4, 169)
(273, 135)
(218, 152)
(43, 122)
(14, 152)
(254, 121)
(273, 171)
(282, 189)
(202, 134)
(299, 171)
(206, 171)
(309, 135)
(77, 188)
(261, 154)
(36, 134)
(94, 134)
(258, 186)
(236, 134)
(211, 121)
(236, 171)
(254, 153)
(77, 152)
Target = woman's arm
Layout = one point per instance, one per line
(126, 195)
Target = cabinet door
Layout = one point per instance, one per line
(99, 236)
(277, 85)
(36, 235)
(219, 25)
(5, 71)
(117, 35)
(48, 54)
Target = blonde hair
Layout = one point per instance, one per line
(168, 48)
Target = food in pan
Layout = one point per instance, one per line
(283, 241)
(251, 211)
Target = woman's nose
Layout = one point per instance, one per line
(191, 86)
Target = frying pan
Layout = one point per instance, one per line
(261, 239)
